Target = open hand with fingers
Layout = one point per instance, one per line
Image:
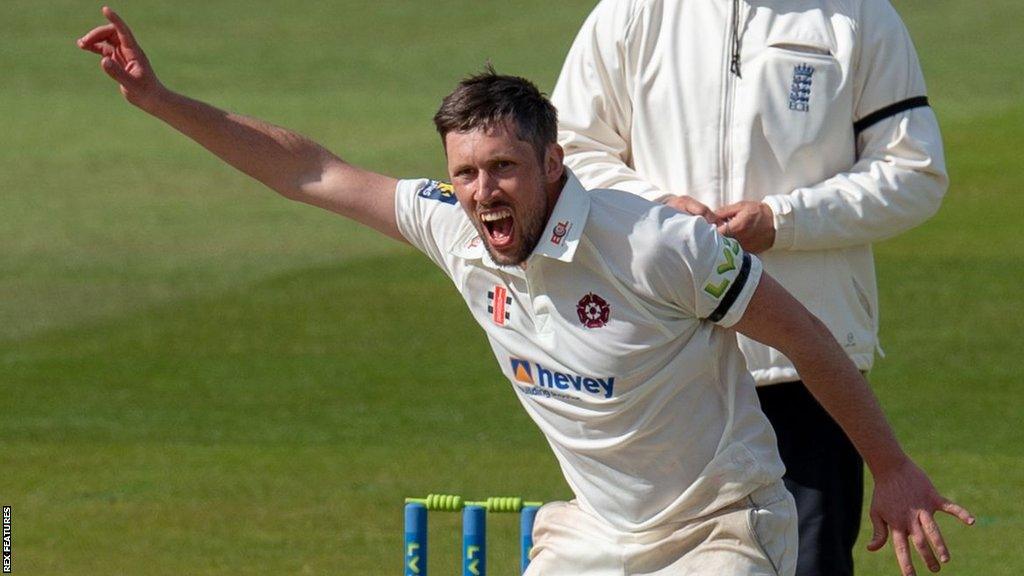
(691, 205)
(904, 504)
(123, 59)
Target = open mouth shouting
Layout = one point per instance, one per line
(510, 235)
(499, 226)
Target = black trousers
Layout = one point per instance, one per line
(825, 475)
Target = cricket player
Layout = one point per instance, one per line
(614, 319)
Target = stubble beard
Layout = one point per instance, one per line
(529, 228)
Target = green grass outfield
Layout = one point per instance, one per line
(197, 377)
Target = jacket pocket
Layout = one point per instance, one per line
(794, 88)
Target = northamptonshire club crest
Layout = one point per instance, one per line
(800, 90)
(593, 310)
(561, 229)
(498, 305)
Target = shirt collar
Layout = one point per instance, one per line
(561, 235)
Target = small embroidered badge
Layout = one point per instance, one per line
(800, 90)
(593, 310)
(559, 232)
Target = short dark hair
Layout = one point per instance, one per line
(488, 99)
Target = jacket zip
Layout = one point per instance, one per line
(731, 73)
(736, 39)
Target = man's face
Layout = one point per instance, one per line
(505, 189)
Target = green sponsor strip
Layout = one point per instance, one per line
(719, 289)
(730, 263)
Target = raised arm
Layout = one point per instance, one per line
(904, 500)
(291, 164)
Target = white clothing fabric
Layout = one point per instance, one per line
(753, 537)
(791, 105)
(606, 340)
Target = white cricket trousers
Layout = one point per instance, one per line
(753, 537)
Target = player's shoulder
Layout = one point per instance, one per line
(628, 208)
(654, 249)
(432, 199)
(648, 231)
(429, 214)
(425, 189)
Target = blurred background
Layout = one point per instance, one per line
(198, 377)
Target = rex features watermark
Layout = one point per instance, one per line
(7, 540)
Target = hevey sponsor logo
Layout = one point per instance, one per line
(534, 374)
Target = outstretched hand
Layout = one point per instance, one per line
(904, 503)
(123, 59)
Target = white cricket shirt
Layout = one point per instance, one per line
(614, 340)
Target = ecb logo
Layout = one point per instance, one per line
(800, 90)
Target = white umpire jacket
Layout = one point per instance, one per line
(816, 108)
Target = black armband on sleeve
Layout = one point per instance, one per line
(734, 291)
(887, 112)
